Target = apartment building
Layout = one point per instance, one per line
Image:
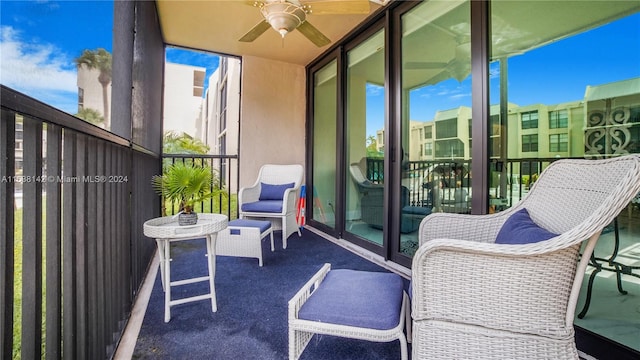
(183, 91)
(605, 122)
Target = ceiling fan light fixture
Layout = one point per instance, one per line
(283, 17)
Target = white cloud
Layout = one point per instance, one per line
(374, 90)
(38, 70)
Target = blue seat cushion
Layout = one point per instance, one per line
(273, 192)
(266, 206)
(520, 229)
(262, 225)
(363, 299)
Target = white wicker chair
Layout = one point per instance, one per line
(285, 216)
(476, 299)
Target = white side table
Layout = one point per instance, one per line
(166, 230)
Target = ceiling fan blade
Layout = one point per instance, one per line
(255, 32)
(313, 34)
(326, 7)
(415, 65)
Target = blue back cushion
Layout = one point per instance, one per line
(273, 192)
(520, 229)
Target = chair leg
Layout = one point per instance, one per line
(298, 341)
(273, 248)
(404, 353)
(408, 321)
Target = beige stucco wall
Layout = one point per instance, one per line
(272, 116)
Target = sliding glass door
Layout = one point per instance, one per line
(365, 209)
(435, 115)
(323, 194)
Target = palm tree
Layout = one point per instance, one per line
(181, 143)
(90, 115)
(100, 60)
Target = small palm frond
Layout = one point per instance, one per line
(187, 183)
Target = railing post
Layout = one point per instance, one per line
(32, 241)
(7, 204)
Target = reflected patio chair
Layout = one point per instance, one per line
(273, 197)
(492, 287)
(372, 203)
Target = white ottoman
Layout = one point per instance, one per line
(242, 238)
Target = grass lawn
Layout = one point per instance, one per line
(17, 283)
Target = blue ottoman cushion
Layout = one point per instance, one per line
(262, 225)
(363, 299)
(266, 206)
(416, 210)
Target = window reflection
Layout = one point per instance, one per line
(364, 132)
(324, 151)
(558, 97)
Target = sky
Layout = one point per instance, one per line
(39, 41)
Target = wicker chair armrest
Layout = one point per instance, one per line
(249, 194)
(290, 201)
(479, 228)
(301, 297)
(516, 288)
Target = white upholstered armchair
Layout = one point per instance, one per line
(482, 290)
(274, 197)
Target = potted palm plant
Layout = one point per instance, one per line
(187, 184)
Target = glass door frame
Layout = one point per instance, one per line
(335, 231)
(379, 23)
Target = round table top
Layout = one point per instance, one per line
(167, 227)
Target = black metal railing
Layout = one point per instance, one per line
(445, 185)
(75, 230)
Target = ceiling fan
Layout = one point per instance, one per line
(459, 67)
(284, 16)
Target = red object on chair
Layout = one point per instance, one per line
(300, 218)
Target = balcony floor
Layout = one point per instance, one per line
(251, 321)
(252, 302)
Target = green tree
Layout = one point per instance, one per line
(372, 147)
(181, 143)
(99, 59)
(90, 115)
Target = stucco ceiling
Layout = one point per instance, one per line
(216, 26)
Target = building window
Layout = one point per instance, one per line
(558, 143)
(428, 132)
(530, 120)
(428, 149)
(198, 83)
(80, 99)
(495, 124)
(529, 143)
(449, 149)
(558, 119)
(446, 129)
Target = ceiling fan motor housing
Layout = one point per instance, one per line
(284, 17)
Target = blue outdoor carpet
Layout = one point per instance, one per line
(251, 321)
